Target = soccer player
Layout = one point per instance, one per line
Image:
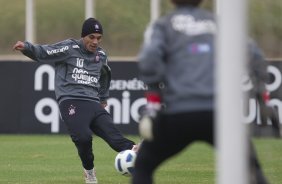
(177, 63)
(260, 93)
(82, 87)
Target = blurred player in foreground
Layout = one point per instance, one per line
(177, 63)
(82, 87)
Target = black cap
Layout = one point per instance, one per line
(90, 26)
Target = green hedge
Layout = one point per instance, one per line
(124, 22)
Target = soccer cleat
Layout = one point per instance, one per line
(90, 176)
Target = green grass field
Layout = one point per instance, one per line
(52, 159)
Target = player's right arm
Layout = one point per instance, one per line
(43, 53)
(19, 46)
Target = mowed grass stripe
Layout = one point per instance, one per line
(49, 159)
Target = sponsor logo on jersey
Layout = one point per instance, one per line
(199, 48)
(187, 24)
(54, 51)
(75, 46)
(82, 76)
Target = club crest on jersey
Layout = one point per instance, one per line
(98, 56)
(199, 48)
(97, 59)
(71, 110)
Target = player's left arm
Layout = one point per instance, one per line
(152, 70)
(151, 57)
(258, 73)
(105, 80)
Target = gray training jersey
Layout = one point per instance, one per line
(178, 51)
(80, 74)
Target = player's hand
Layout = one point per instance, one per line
(136, 147)
(264, 108)
(150, 115)
(19, 46)
(104, 104)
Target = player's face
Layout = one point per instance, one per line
(91, 41)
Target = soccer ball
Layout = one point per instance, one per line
(124, 162)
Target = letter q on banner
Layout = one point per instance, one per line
(51, 118)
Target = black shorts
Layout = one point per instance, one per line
(83, 118)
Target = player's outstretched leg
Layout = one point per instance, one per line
(105, 128)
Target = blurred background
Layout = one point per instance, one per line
(124, 22)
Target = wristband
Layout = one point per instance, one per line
(266, 96)
(153, 97)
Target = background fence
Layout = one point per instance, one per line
(124, 23)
